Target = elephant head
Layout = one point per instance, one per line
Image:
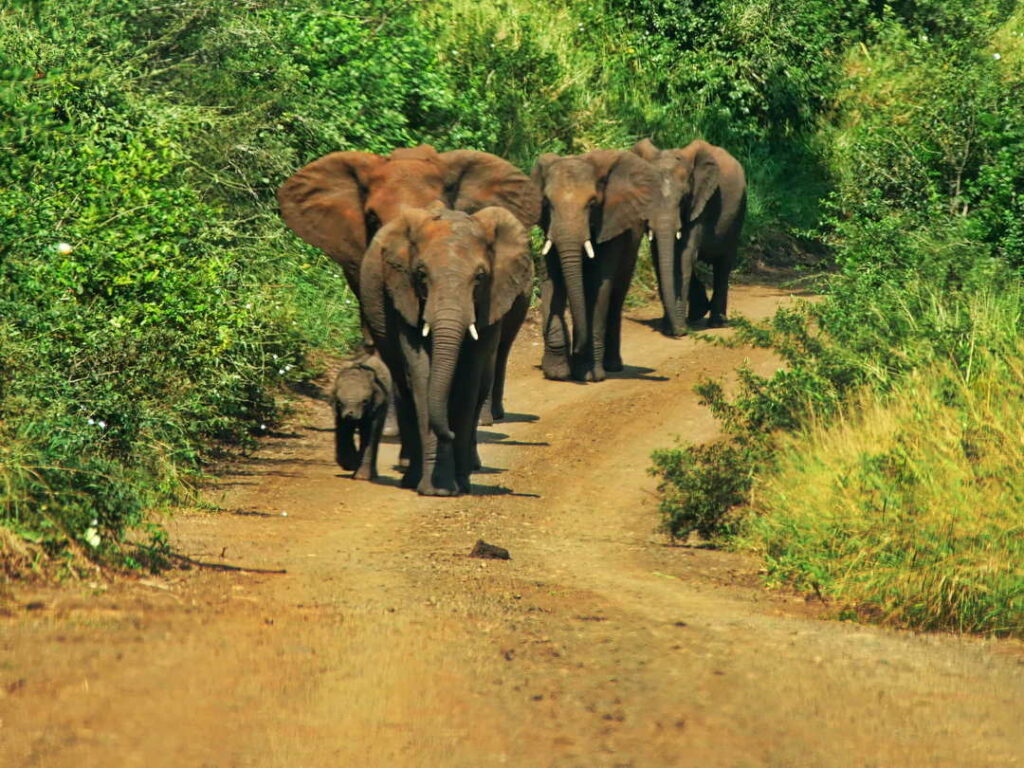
(338, 202)
(689, 179)
(588, 200)
(445, 274)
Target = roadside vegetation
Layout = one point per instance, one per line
(881, 469)
(152, 305)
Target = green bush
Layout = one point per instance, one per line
(922, 147)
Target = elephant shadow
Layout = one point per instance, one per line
(501, 490)
(637, 372)
(500, 438)
(519, 418)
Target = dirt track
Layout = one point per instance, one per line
(383, 645)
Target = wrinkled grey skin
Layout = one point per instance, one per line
(598, 199)
(359, 398)
(697, 213)
(428, 281)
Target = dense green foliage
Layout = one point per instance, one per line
(149, 138)
(923, 144)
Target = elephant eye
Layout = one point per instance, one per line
(480, 276)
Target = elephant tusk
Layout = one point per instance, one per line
(679, 234)
(473, 333)
(589, 248)
(426, 330)
(650, 235)
(546, 248)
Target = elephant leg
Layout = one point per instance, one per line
(391, 428)
(607, 263)
(555, 362)
(412, 440)
(510, 326)
(697, 299)
(367, 468)
(487, 414)
(344, 442)
(720, 294)
(620, 288)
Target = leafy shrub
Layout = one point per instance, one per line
(922, 149)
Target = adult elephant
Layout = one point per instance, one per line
(697, 213)
(593, 214)
(439, 289)
(339, 202)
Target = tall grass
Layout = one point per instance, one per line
(910, 507)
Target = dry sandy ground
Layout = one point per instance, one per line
(384, 645)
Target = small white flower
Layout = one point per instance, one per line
(91, 421)
(248, 306)
(996, 56)
(289, 367)
(284, 514)
(92, 537)
(102, 424)
(280, 371)
(64, 248)
(263, 427)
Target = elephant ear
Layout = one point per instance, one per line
(645, 148)
(705, 180)
(323, 204)
(475, 180)
(387, 268)
(538, 176)
(629, 186)
(512, 270)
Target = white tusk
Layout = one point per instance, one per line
(473, 333)
(679, 234)
(546, 248)
(426, 330)
(650, 235)
(588, 248)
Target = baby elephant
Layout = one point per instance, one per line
(360, 399)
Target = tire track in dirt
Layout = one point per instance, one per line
(596, 645)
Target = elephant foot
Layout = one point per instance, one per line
(410, 479)
(497, 412)
(717, 321)
(598, 374)
(555, 367)
(426, 489)
(464, 486)
(364, 473)
(486, 418)
(613, 364)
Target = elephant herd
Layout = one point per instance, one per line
(436, 247)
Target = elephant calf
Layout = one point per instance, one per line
(360, 397)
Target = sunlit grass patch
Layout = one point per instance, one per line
(910, 509)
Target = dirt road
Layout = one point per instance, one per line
(384, 645)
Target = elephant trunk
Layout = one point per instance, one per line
(447, 333)
(570, 255)
(674, 285)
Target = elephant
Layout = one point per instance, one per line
(359, 399)
(698, 212)
(338, 202)
(438, 288)
(594, 204)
